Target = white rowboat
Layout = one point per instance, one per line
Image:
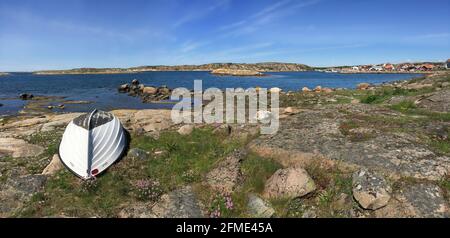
(91, 143)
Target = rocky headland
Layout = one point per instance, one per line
(376, 151)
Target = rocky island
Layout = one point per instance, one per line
(3, 74)
(237, 72)
(260, 67)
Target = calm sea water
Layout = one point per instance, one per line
(101, 89)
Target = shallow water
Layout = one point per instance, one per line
(101, 89)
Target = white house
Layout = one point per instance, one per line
(376, 68)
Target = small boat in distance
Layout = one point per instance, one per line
(91, 143)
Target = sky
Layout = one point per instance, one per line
(55, 34)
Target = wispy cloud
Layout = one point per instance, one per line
(190, 46)
(264, 16)
(200, 13)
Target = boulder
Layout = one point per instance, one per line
(223, 129)
(186, 130)
(149, 90)
(124, 88)
(26, 96)
(318, 89)
(258, 208)
(327, 90)
(137, 153)
(306, 89)
(135, 82)
(289, 183)
(163, 90)
(54, 166)
(370, 190)
(225, 177)
(363, 86)
(288, 110)
(17, 148)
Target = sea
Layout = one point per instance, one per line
(100, 90)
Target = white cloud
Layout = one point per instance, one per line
(200, 13)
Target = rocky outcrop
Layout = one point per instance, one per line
(26, 96)
(371, 190)
(18, 148)
(16, 191)
(181, 203)
(146, 93)
(54, 166)
(236, 72)
(420, 200)
(363, 86)
(322, 134)
(437, 101)
(289, 183)
(258, 208)
(225, 177)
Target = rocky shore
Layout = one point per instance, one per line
(376, 151)
(146, 93)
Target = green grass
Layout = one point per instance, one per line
(186, 160)
(256, 170)
(382, 94)
(441, 146)
(404, 106)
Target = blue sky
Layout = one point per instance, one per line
(58, 34)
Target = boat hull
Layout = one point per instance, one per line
(91, 143)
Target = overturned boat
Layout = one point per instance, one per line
(91, 143)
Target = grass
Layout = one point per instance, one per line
(185, 161)
(256, 170)
(404, 106)
(187, 158)
(381, 95)
(331, 184)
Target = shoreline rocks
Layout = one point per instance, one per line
(26, 96)
(147, 93)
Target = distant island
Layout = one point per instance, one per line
(3, 74)
(237, 72)
(237, 68)
(258, 69)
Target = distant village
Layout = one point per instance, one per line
(388, 67)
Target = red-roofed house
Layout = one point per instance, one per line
(388, 67)
(426, 67)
